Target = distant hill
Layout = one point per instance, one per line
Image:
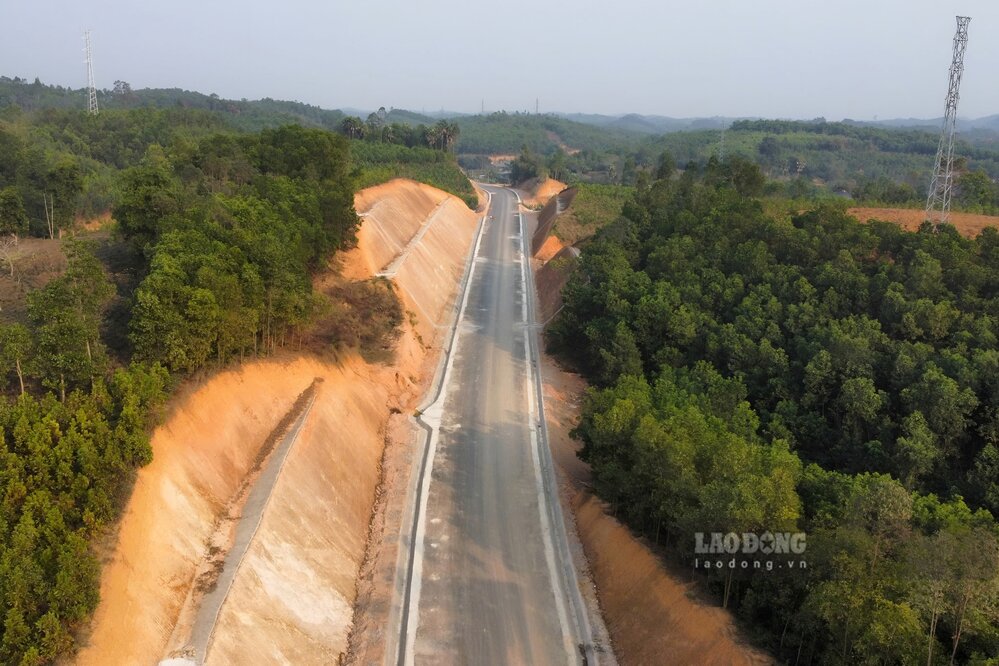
(543, 134)
(249, 115)
(871, 162)
(242, 114)
(986, 123)
(634, 122)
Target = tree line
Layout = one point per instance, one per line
(759, 374)
(71, 437)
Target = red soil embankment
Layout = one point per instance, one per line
(551, 278)
(200, 457)
(551, 247)
(650, 614)
(394, 214)
(292, 599)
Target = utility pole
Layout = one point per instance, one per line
(91, 86)
(942, 186)
(537, 106)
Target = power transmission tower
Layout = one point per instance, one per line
(942, 185)
(91, 86)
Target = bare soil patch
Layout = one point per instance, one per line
(549, 249)
(967, 224)
(36, 262)
(537, 193)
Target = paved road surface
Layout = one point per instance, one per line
(488, 584)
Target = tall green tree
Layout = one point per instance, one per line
(15, 352)
(13, 218)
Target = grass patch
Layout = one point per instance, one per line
(595, 206)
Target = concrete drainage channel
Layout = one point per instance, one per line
(271, 463)
(569, 580)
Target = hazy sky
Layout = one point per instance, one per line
(772, 58)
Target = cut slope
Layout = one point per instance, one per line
(650, 614)
(200, 457)
(394, 215)
(551, 278)
(536, 192)
(292, 597)
(397, 209)
(551, 211)
(549, 248)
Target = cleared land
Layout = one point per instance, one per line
(34, 262)
(536, 193)
(967, 224)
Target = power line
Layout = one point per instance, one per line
(942, 186)
(92, 87)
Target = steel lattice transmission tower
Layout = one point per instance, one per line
(91, 86)
(942, 185)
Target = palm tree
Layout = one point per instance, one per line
(352, 127)
(433, 135)
(453, 132)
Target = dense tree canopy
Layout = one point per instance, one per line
(233, 229)
(816, 374)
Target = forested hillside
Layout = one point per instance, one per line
(224, 234)
(239, 114)
(811, 374)
(871, 164)
(507, 133)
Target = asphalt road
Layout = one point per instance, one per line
(488, 585)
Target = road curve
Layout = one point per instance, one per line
(489, 578)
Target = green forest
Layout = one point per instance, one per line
(808, 374)
(870, 165)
